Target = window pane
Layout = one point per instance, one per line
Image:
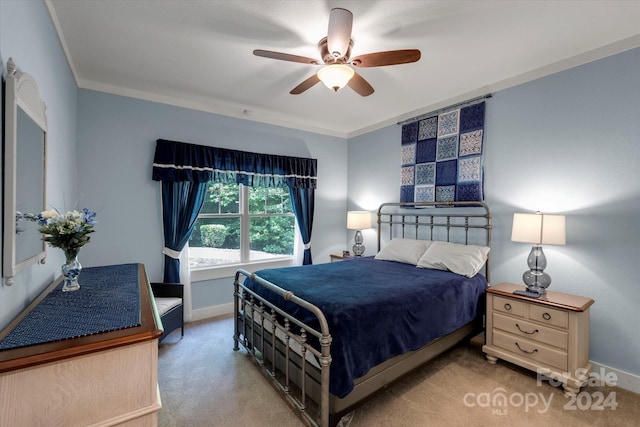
(272, 236)
(269, 200)
(214, 241)
(221, 199)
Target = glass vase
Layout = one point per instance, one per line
(71, 270)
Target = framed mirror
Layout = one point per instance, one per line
(25, 141)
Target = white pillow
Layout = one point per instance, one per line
(407, 251)
(466, 260)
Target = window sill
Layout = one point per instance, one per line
(230, 269)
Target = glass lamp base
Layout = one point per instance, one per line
(358, 248)
(536, 279)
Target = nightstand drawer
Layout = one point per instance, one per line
(511, 306)
(549, 315)
(528, 349)
(530, 330)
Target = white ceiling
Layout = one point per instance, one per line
(198, 53)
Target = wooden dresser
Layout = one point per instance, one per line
(104, 379)
(548, 335)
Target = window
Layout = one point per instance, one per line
(239, 224)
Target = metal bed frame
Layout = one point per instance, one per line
(284, 347)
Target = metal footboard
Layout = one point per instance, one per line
(271, 337)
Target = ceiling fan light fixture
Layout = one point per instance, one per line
(335, 76)
(335, 51)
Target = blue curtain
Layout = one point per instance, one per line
(303, 201)
(181, 203)
(185, 169)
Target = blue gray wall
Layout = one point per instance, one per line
(567, 143)
(28, 36)
(117, 138)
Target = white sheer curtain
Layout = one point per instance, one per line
(185, 278)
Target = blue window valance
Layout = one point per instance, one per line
(179, 161)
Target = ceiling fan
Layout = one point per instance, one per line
(335, 50)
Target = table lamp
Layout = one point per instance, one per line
(358, 220)
(538, 229)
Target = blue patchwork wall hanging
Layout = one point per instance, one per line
(441, 157)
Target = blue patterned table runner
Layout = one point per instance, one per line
(108, 300)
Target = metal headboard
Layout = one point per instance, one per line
(421, 220)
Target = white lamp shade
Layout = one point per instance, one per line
(539, 229)
(358, 220)
(335, 76)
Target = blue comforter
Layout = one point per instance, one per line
(376, 309)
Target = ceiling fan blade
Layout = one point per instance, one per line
(390, 57)
(360, 85)
(285, 57)
(310, 82)
(339, 32)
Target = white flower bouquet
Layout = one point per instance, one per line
(68, 231)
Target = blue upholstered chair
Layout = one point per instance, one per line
(169, 301)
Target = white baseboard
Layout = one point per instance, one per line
(213, 311)
(623, 380)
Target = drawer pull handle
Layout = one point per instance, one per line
(507, 306)
(526, 332)
(546, 316)
(535, 350)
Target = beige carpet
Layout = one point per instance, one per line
(203, 382)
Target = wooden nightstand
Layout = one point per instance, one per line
(340, 257)
(549, 335)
